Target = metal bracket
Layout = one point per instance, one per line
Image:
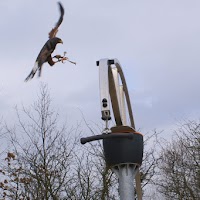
(106, 136)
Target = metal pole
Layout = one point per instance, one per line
(126, 175)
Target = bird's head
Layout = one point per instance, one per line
(59, 40)
(56, 40)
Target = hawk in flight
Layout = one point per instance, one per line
(48, 49)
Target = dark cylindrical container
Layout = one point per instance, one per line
(123, 150)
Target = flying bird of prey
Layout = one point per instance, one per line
(48, 48)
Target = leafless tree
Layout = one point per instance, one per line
(180, 164)
(46, 162)
(93, 180)
(148, 169)
(97, 181)
(43, 153)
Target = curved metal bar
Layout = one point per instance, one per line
(114, 98)
(126, 93)
(106, 136)
(125, 88)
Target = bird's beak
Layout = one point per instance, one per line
(60, 41)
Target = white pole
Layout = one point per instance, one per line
(126, 175)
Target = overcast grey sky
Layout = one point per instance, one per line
(156, 41)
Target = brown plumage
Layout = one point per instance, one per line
(48, 48)
(54, 31)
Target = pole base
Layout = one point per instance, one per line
(126, 175)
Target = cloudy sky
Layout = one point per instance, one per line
(157, 43)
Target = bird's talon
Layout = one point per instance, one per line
(63, 58)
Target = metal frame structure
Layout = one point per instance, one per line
(109, 73)
(114, 92)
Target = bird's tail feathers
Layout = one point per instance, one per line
(32, 73)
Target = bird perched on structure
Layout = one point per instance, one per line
(48, 48)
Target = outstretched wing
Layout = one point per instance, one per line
(54, 31)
